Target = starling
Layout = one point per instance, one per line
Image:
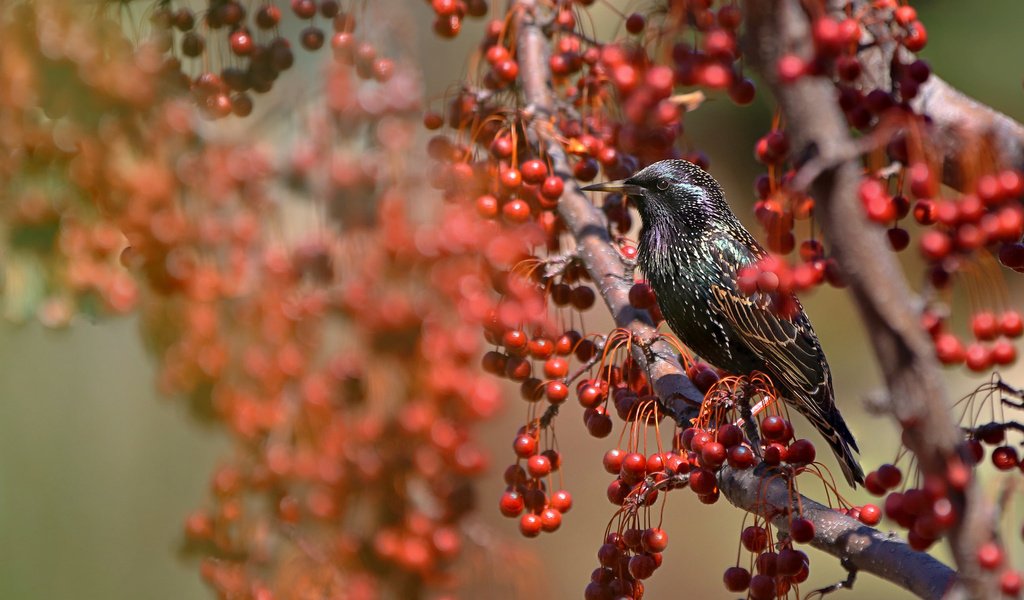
(692, 248)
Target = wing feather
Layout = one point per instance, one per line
(787, 346)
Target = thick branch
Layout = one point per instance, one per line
(866, 548)
(906, 357)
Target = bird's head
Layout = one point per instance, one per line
(675, 190)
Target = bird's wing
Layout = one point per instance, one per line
(788, 346)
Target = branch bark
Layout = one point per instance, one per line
(865, 548)
(919, 399)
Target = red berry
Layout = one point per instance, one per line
(736, 579)
(762, 587)
(511, 178)
(978, 357)
(699, 439)
(612, 460)
(534, 171)
(511, 503)
(790, 561)
(949, 349)
(656, 463)
(729, 435)
(590, 396)
(801, 530)
(800, 452)
(561, 501)
(1012, 255)
(985, 326)
(767, 563)
(507, 70)
(516, 211)
(754, 538)
(870, 514)
(530, 525)
(655, 540)
(713, 455)
(899, 238)
(773, 427)
(556, 367)
(268, 16)
(552, 187)
(742, 91)
(703, 482)
(525, 446)
(617, 492)
(556, 392)
(935, 245)
(889, 475)
(791, 68)
(990, 556)
(1004, 458)
(635, 23)
(916, 38)
(550, 519)
(873, 484)
(1011, 583)
(641, 566)
(641, 295)
(496, 54)
(1003, 352)
(608, 554)
(741, 457)
(1011, 324)
(538, 466)
(634, 466)
(312, 38)
(905, 15)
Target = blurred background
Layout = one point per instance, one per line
(97, 471)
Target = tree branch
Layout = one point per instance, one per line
(865, 548)
(919, 400)
(960, 125)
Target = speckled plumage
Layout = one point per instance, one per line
(691, 249)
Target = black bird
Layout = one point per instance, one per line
(692, 248)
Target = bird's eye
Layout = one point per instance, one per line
(663, 184)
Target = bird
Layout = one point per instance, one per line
(692, 248)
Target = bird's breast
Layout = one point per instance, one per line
(682, 277)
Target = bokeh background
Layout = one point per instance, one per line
(97, 471)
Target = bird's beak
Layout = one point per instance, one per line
(619, 186)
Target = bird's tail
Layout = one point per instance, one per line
(839, 437)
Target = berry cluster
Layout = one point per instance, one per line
(774, 572)
(926, 510)
(341, 472)
(958, 231)
(224, 53)
(62, 256)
